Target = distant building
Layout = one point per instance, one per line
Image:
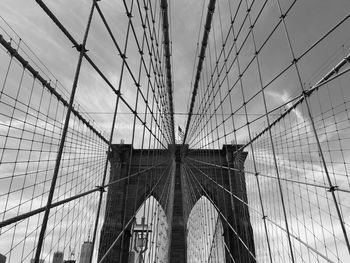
(2, 258)
(40, 261)
(57, 257)
(86, 252)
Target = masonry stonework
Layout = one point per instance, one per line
(137, 174)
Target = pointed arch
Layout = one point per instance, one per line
(151, 219)
(205, 240)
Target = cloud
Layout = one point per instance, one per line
(297, 155)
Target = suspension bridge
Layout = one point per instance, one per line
(174, 131)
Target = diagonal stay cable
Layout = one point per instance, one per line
(133, 217)
(333, 74)
(98, 188)
(96, 68)
(218, 210)
(46, 84)
(256, 211)
(260, 49)
(123, 56)
(268, 176)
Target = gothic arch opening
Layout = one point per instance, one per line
(149, 234)
(205, 240)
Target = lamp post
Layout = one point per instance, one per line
(140, 237)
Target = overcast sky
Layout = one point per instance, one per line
(307, 22)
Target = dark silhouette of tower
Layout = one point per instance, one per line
(122, 195)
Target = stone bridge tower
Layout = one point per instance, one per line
(124, 193)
